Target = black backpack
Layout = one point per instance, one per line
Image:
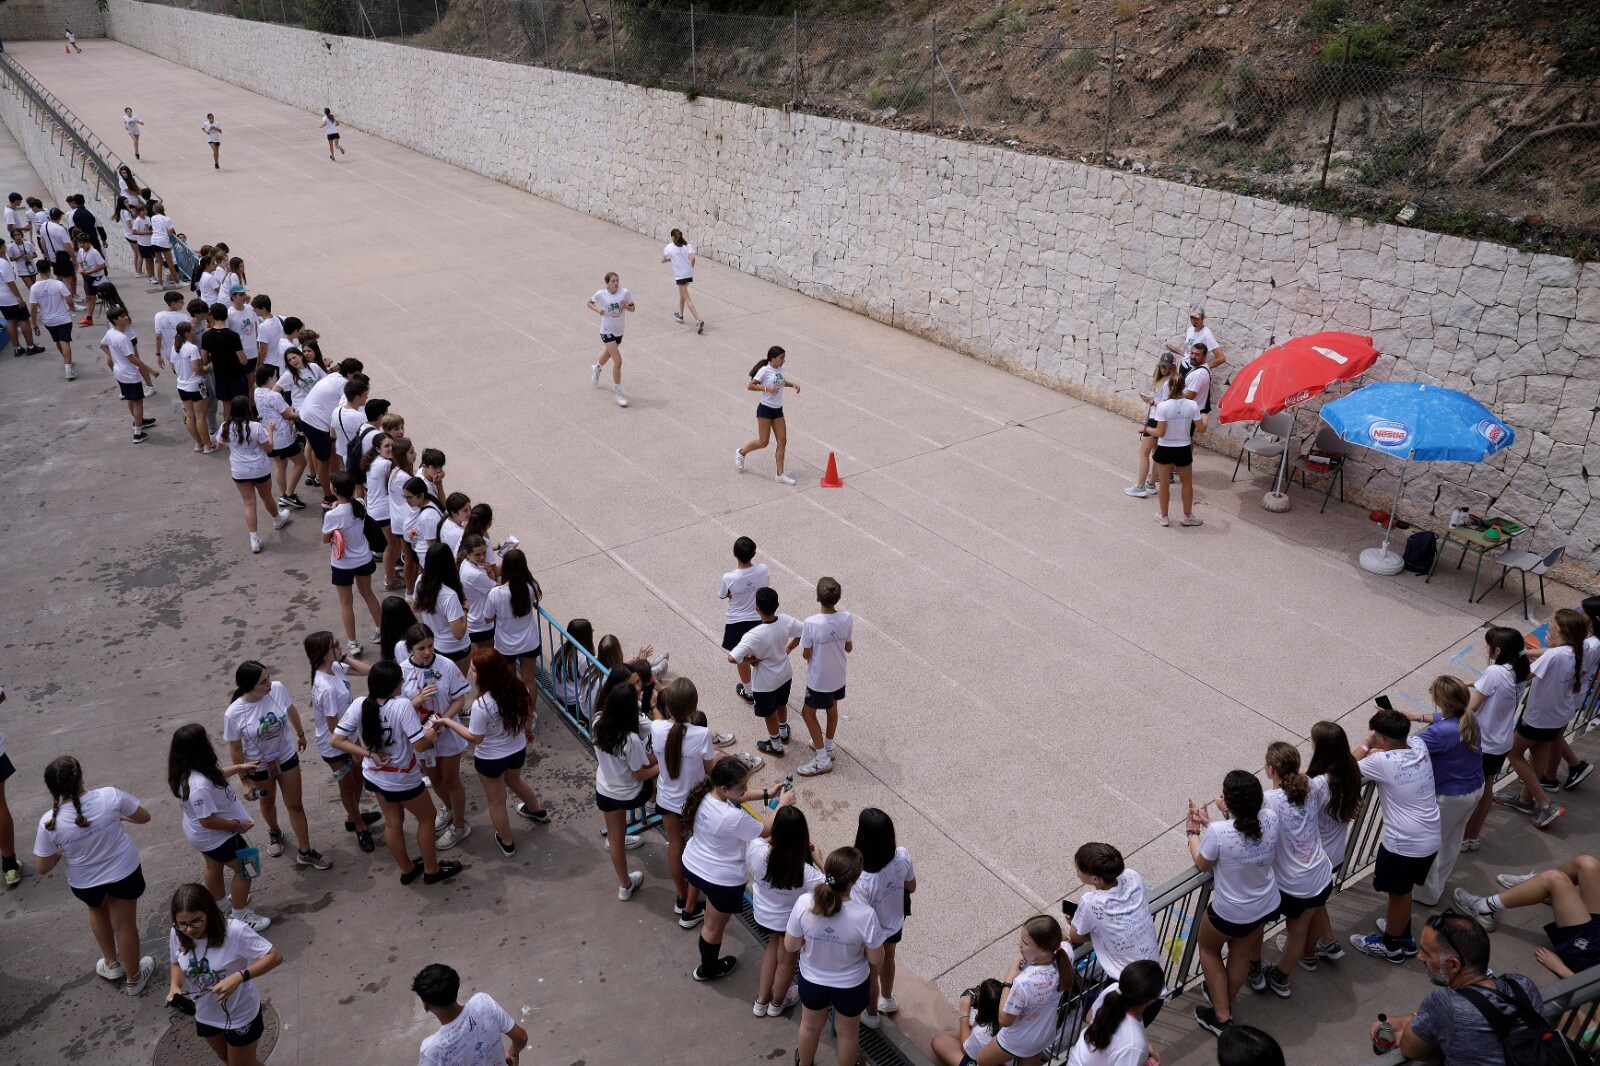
(358, 444)
(1421, 547)
(1524, 1035)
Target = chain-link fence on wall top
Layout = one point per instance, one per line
(1517, 160)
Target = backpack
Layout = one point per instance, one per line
(1421, 547)
(358, 444)
(1524, 1035)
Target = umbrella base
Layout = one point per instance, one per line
(1277, 502)
(1381, 561)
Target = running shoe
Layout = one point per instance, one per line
(790, 998)
(441, 820)
(72, 375)
(1207, 1017)
(1470, 844)
(295, 501)
(85, 321)
(1545, 816)
(452, 836)
(140, 436)
(594, 374)
(871, 1021)
(678, 315)
(377, 634)
(754, 762)
(447, 870)
(283, 502)
(255, 543)
(1191, 520)
(722, 740)
(632, 841)
(888, 1004)
(783, 732)
(1407, 944)
(700, 326)
(784, 479)
(725, 965)
(1163, 520)
(1577, 774)
(1549, 784)
(635, 879)
(283, 519)
(744, 693)
(312, 858)
(759, 1007)
(110, 973)
(542, 816)
(1374, 946)
(690, 919)
(13, 876)
(1512, 880)
(147, 967)
(1136, 491)
(818, 766)
(1278, 981)
(367, 818)
(354, 647)
(772, 746)
(1475, 907)
(738, 461)
(274, 842)
(506, 849)
(1512, 801)
(311, 480)
(622, 401)
(1257, 977)
(255, 921)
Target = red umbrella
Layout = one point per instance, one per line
(1293, 372)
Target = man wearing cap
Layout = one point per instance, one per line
(242, 320)
(1199, 332)
(57, 246)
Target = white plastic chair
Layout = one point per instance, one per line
(1267, 440)
(1528, 563)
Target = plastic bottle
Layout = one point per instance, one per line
(1383, 1040)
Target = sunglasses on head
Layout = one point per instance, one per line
(1436, 923)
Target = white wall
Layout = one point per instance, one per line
(1064, 273)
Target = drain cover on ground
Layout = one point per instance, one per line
(179, 1046)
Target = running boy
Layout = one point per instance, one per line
(767, 648)
(738, 587)
(824, 644)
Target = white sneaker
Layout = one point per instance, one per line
(871, 1021)
(784, 479)
(147, 968)
(631, 841)
(594, 374)
(722, 740)
(255, 921)
(790, 998)
(1512, 880)
(255, 542)
(658, 665)
(283, 519)
(1136, 490)
(377, 634)
(72, 375)
(820, 764)
(453, 836)
(635, 879)
(355, 648)
(441, 821)
(622, 401)
(110, 973)
(888, 1004)
(759, 1008)
(738, 461)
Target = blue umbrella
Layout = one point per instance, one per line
(1415, 421)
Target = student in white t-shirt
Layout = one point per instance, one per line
(470, 1035)
(685, 754)
(135, 127)
(441, 604)
(51, 306)
(299, 374)
(165, 324)
(502, 723)
(769, 379)
(513, 613)
(216, 962)
(190, 364)
(766, 650)
(436, 687)
(1115, 1033)
(1555, 695)
(349, 555)
(479, 577)
(1402, 769)
(331, 668)
(624, 778)
(214, 820)
(161, 230)
(285, 447)
(213, 134)
(330, 126)
(714, 856)
(1160, 382)
(838, 942)
(977, 1020)
(14, 310)
(247, 441)
(1332, 761)
(1114, 914)
(1036, 980)
(92, 265)
(825, 643)
(612, 304)
(403, 467)
(257, 727)
(1301, 867)
(782, 867)
(1238, 852)
(1494, 700)
(739, 586)
(1177, 419)
(887, 881)
(681, 254)
(131, 372)
(85, 829)
(269, 331)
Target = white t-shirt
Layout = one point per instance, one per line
(207, 798)
(512, 635)
(270, 406)
(826, 635)
(141, 230)
(210, 284)
(54, 239)
(91, 264)
(980, 1037)
(377, 483)
(424, 531)
(451, 685)
(1117, 922)
(1334, 833)
(329, 124)
(834, 954)
(99, 853)
(300, 388)
(769, 642)
(401, 728)
(1405, 793)
(122, 352)
(1179, 415)
(486, 722)
(330, 698)
(131, 123)
(348, 423)
(212, 131)
(681, 258)
(207, 964)
(613, 774)
(1202, 335)
(8, 298)
(1244, 888)
(739, 588)
(186, 363)
(612, 318)
(770, 377)
(323, 399)
(262, 727)
(671, 792)
(161, 231)
(165, 323)
(401, 513)
(1551, 700)
(1031, 1000)
(716, 850)
(1497, 714)
(269, 332)
(1129, 1045)
(247, 459)
(885, 891)
(357, 553)
(450, 534)
(446, 609)
(477, 584)
(772, 906)
(475, 1038)
(1301, 866)
(1198, 381)
(52, 297)
(23, 258)
(243, 321)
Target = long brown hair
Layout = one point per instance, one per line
(1573, 627)
(679, 700)
(840, 871)
(1045, 932)
(1284, 758)
(497, 680)
(64, 778)
(728, 772)
(1330, 756)
(1450, 695)
(194, 899)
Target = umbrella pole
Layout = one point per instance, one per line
(1277, 500)
(1382, 560)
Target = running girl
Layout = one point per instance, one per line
(135, 126)
(887, 881)
(612, 304)
(350, 556)
(213, 134)
(103, 867)
(436, 688)
(781, 868)
(441, 604)
(837, 940)
(218, 959)
(681, 254)
(624, 779)
(214, 821)
(513, 613)
(502, 728)
(255, 726)
(286, 449)
(330, 698)
(767, 378)
(1178, 419)
(383, 731)
(1034, 985)
(330, 126)
(246, 440)
(686, 757)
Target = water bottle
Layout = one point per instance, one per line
(777, 793)
(1383, 1041)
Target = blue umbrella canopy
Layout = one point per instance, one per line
(1411, 420)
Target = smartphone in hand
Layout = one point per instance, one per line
(1384, 703)
(1069, 908)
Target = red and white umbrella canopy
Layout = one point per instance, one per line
(1289, 374)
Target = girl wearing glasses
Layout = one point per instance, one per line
(215, 962)
(437, 688)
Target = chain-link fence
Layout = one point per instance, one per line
(1515, 160)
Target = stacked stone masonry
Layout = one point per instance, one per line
(1062, 273)
(49, 20)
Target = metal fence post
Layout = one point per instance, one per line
(544, 32)
(694, 59)
(933, 73)
(796, 23)
(1111, 92)
(400, 17)
(483, 24)
(284, 11)
(1333, 124)
(611, 24)
(437, 18)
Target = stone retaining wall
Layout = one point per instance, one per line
(1059, 272)
(48, 20)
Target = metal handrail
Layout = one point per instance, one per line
(94, 152)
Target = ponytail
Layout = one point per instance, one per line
(772, 353)
(1284, 758)
(382, 683)
(343, 485)
(64, 778)
(840, 873)
(677, 238)
(1573, 627)
(728, 772)
(247, 677)
(678, 701)
(1139, 984)
(1510, 649)
(1045, 932)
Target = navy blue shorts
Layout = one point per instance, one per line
(823, 700)
(6, 769)
(190, 397)
(1578, 945)
(497, 767)
(241, 1037)
(733, 633)
(684, 281)
(770, 413)
(1399, 874)
(609, 338)
(384, 794)
(130, 887)
(15, 313)
(729, 899)
(768, 702)
(131, 390)
(61, 334)
(639, 799)
(846, 1002)
(225, 851)
(343, 578)
(321, 443)
(484, 637)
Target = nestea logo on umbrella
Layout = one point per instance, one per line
(1389, 434)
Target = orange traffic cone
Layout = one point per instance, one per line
(831, 479)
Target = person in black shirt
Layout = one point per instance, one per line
(84, 222)
(228, 360)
